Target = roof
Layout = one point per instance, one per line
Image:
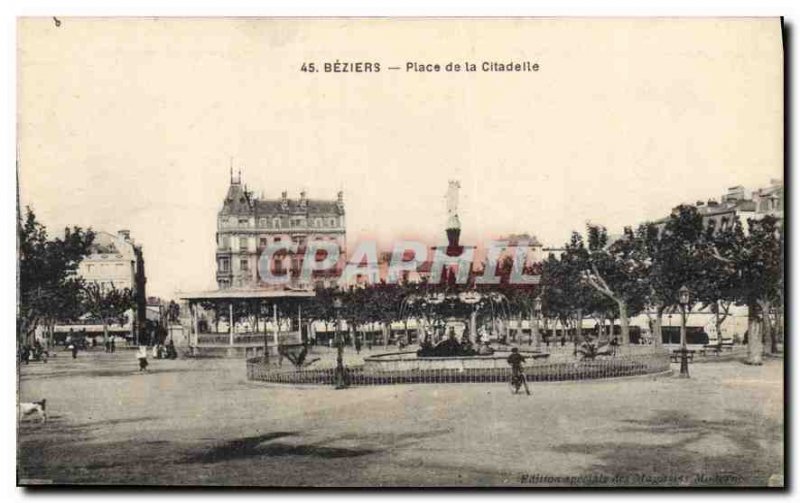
(237, 201)
(105, 243)
(313, 206)
(718, 209)
(517, 239)
(240, 201)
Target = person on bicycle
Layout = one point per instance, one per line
(516, 360)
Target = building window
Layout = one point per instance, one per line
(276, 223)
(278, 239)
(317, 222)
(263, 242)
(224, 265)
(243, 265)
(333, 222)
(224, 242)
(243, 244)
(262, 222)
(242, 221)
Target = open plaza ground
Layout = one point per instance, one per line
(200, 422)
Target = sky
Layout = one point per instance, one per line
(134, 123)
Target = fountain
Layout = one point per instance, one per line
(445, 308)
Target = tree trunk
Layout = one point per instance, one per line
(623, 322)
(105, 331)
(769, 335)
(657, 337)
(754, 346)
(579, 325)
(385, 328)
(768, 332)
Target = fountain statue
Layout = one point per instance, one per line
(453, 227)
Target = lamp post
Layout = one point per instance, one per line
(683, 300)
(537, 312)
(339, 380)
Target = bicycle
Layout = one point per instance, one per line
(518, 380)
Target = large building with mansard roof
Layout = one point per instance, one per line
(246, 225)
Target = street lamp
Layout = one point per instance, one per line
(339, 379)
(683, 300)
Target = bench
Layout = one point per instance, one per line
(715, 349)
(675, 357)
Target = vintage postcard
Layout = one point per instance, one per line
(420, 252)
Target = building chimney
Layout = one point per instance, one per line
(124, 234)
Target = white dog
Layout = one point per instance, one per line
(30, 408)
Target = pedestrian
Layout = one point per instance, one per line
(171, 352)
(74, 348)
(142, 356)
(108, 344)
(25, 354)
(113, 343)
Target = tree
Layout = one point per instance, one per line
(320, 307)
(49, 289)
(674, 256)
(566, 293)
(614, 271)
(761, 268)
(521, 296)
(108, 303)
(719, 281)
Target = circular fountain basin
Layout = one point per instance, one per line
(408, 360)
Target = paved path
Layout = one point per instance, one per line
(201, 422)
